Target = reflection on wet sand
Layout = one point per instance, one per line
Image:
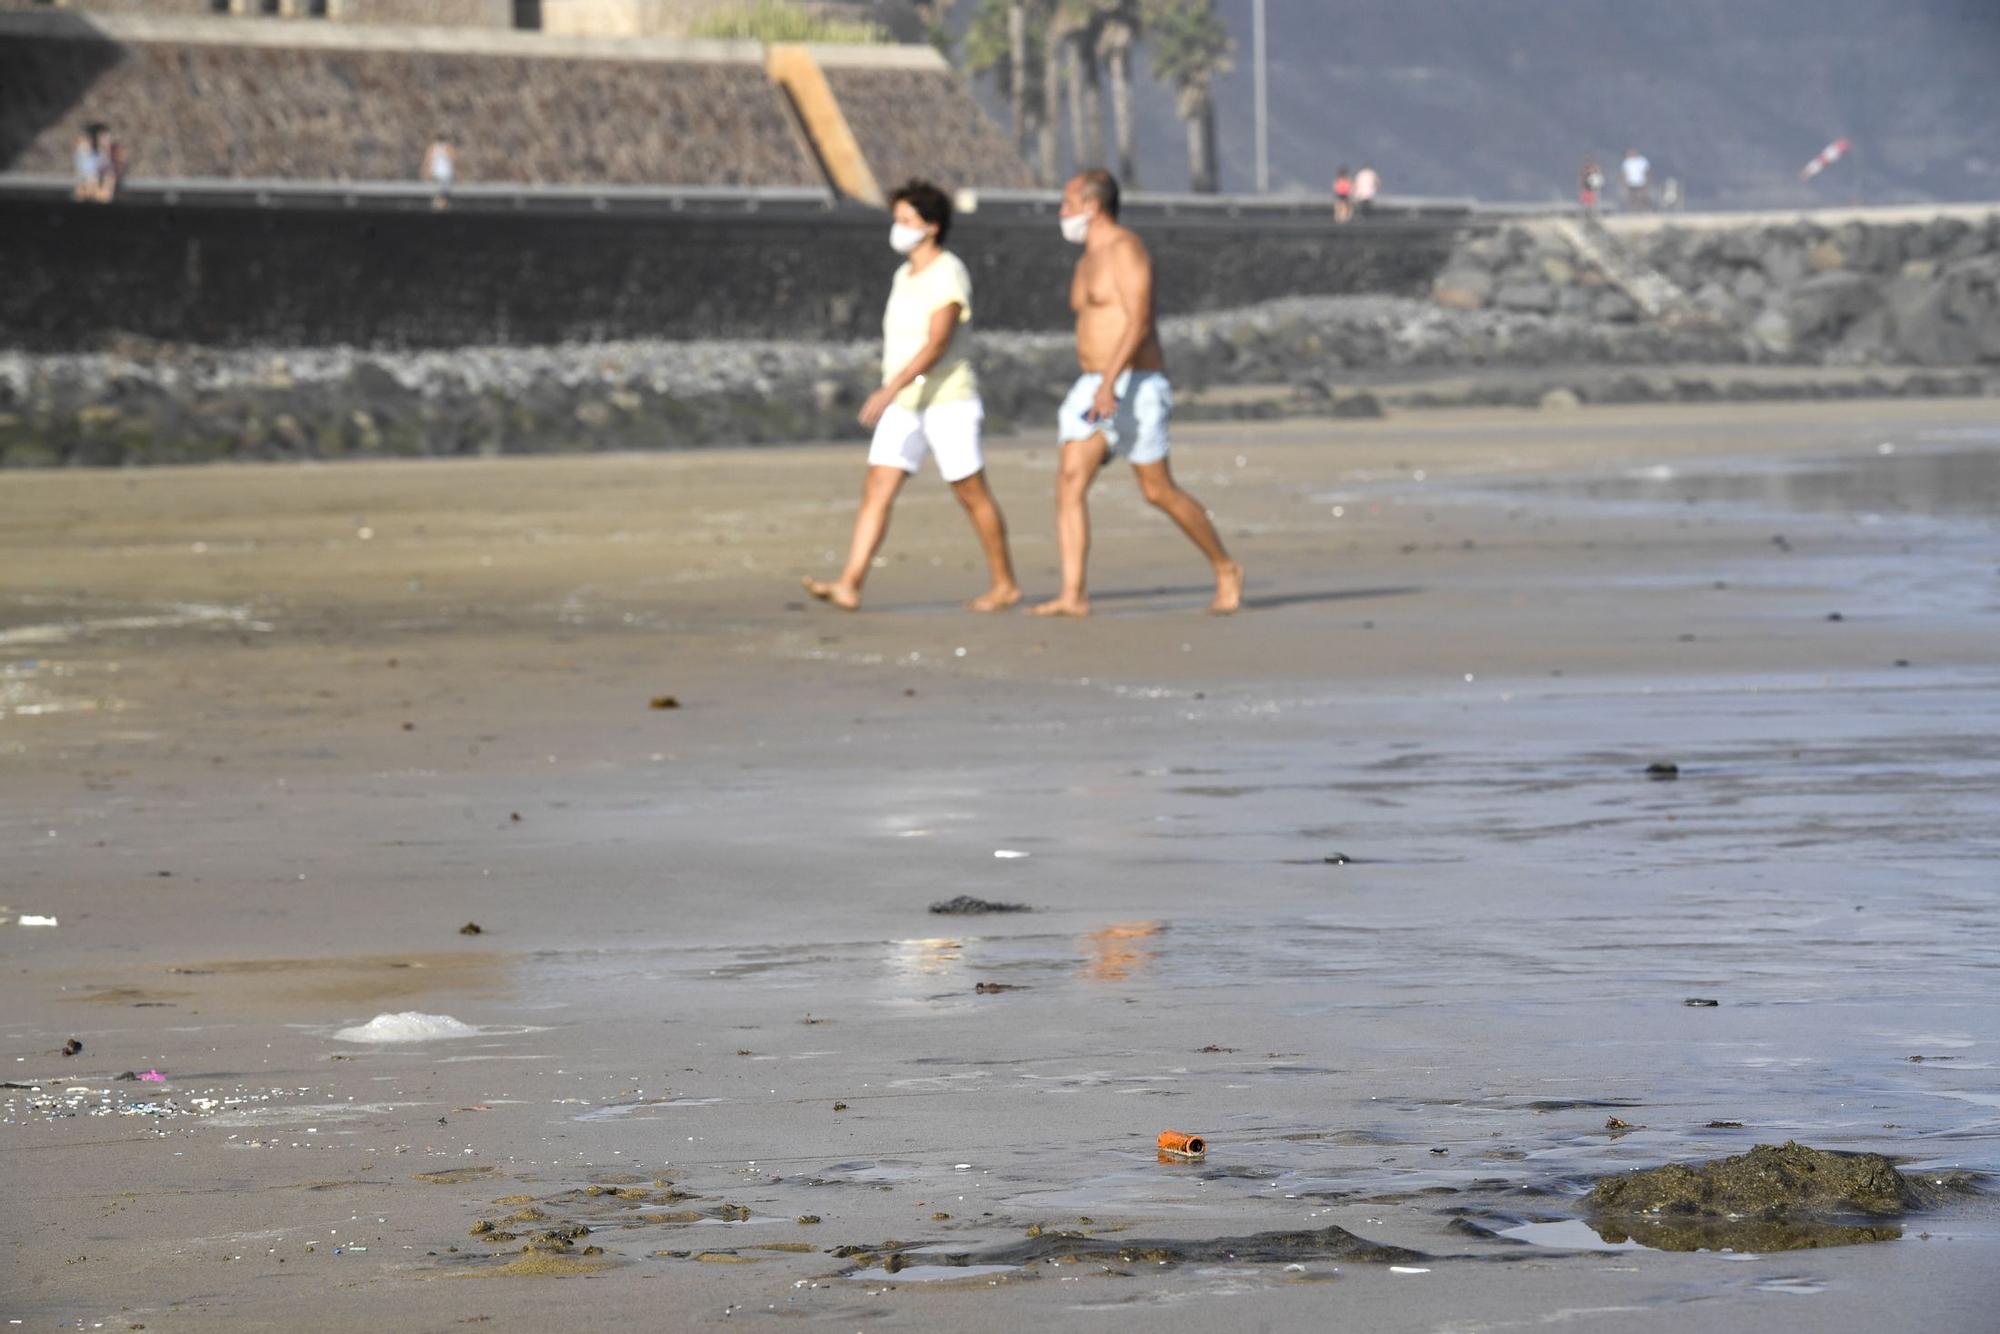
(1116, 953)
(1739, 1234)
(361, 981)
(931, 958)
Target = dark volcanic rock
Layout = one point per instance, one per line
(1771, 1182)
(1827, 303)
(1952, 319)
(1327, 1243)
(1526, 296)
(965, 905)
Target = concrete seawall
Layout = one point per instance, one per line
(269, 334)
(242, 277)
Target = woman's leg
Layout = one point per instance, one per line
(987, 521)
(871, 525)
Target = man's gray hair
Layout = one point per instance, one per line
(1101, 185)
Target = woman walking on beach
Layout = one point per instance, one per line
(928, 402)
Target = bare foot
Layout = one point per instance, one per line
(1062, 606)
(1228, 590)
(996, 598)
(839, 594)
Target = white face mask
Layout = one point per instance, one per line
(1076, 228)
(903, 239)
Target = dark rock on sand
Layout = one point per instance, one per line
(1773, 1198)
(1327, 1243)
(1771, 1182)
(965, 905)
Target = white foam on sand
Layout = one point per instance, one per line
(409, 1026)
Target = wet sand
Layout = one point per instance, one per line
(1367, 885)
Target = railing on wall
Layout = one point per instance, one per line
(524, 197)
(1152, 203)
(484, 198)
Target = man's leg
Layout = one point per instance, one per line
(1080, 461)
(871, 525)
(984, 511)
(1156, 481)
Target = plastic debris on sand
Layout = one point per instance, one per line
(409, 1026)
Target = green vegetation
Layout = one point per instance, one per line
(779, 21)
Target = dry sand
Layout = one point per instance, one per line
(270, 736)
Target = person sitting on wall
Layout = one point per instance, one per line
(1343, 195)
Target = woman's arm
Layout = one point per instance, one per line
(944, 326)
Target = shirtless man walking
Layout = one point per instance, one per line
(1120, 405)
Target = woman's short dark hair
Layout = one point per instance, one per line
(932, 204)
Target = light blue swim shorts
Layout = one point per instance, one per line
(1137, 432)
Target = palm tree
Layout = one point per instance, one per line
(1054, 42)
(996, 43)
(1118, 33)
(935, 15)
(1077, 24)
(1191, 50)
(1017, 60)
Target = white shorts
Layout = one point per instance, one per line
(948, 430)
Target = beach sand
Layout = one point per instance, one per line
(1368, 885)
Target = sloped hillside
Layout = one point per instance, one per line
(1501, 99)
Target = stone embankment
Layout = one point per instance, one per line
(1548, 314)
(1852, 293)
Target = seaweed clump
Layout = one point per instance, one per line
(1783, 1197)
(1770, 1182)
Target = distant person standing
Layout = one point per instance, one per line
(1638, 180)
(1343, 195)
(440, 169)
(1367, 185)
(89, 161)
(112, 172)
(928, 402)
(1590, 186)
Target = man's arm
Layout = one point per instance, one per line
(1132, 282)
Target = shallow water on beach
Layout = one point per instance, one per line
(1423, 952)
(1817, 875)
(1950, 474)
